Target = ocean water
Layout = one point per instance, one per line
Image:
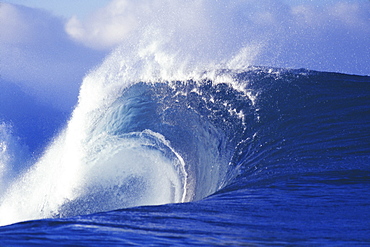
(252, 156)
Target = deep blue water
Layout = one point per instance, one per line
(282, 157)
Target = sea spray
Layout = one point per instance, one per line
(103, 154)
(13, 154)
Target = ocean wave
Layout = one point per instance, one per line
(178, 141)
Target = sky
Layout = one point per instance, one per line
(65, 8)
(47, 47)
(82, 8)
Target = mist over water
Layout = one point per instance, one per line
(295, 35)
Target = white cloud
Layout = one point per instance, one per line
(13, 28)
(113, 24)
(107, 27)
(38, 55)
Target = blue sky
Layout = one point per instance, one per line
(49, 46)
(65, 8)
(81, 8)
